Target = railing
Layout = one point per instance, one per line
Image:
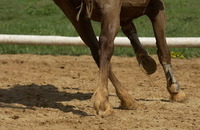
(179, 42)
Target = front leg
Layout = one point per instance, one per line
(84, 29)
(109, 27)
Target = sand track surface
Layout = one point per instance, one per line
(54, 93)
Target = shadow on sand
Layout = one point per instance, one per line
(46, 96)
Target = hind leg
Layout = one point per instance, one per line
(157, 16)
(147, 64)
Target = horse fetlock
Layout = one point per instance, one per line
(173, 88)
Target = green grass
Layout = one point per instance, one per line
(43, 17)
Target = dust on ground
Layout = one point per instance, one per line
(54, 93)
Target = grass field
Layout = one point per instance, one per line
(42, 17)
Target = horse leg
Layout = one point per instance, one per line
(147, 64)
(109, 28)
(157, 16)
(84, 28)
(82, 25)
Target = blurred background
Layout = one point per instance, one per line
(43, 17)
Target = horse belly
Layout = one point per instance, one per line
(135, 3)
(131, 13)
(126, 14)
(130, 9)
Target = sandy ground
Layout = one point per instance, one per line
(54, 93)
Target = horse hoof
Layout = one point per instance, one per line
(129, 105)
(104, 110)
(102, 105)
(179, 97)
(105, 113)
(147, 64)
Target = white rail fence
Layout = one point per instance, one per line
(179, 42)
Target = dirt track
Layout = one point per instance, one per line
(54, 93)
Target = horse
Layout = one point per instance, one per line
(113, 14)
